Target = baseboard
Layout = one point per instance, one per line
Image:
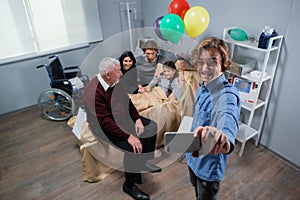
(281, 157)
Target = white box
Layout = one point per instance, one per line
(256, 74)
(243, 65)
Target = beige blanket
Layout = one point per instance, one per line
(167, 112)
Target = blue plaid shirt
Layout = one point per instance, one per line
(217, 105)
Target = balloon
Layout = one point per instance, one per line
(238, 34)
(157, 28)
(196, 21)
(179, 7)
(172, 27)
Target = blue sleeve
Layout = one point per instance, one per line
(227, 119)
(176, 88)
(154, 82)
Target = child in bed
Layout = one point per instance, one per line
(168, 81)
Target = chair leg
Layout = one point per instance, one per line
(242, 148)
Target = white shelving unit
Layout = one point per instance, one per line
(253, 113)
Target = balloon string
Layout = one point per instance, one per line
(182, 63)
(182, 55)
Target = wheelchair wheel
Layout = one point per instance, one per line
(56, 104)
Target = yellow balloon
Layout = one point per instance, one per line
(196, 21)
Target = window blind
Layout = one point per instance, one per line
(31, 27)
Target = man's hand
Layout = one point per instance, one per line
(222, 145)
(135, 143)
(139, 127)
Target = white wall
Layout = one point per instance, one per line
(281, 129)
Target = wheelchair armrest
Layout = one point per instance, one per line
(64, 81)
(71, 67)
(71, 72)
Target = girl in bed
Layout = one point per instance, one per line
(168, 81)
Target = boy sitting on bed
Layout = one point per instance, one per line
(168, 81)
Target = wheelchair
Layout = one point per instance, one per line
(61, 101)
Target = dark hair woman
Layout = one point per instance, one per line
(128, 68)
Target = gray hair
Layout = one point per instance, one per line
(107, 64)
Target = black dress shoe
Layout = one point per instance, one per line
(147, 167)
(135, 192)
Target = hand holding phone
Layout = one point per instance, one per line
(180, 142)
(218, 141)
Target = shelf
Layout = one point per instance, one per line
(250, 78)
(249, 106)
(245, 82)
(248, 44)
(251, 45)
(245, 133)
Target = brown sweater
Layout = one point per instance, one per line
(108, 109)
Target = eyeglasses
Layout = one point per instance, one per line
(211, 62)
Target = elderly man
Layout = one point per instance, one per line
(112, 117)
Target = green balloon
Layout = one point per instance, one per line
(238, 34)
(172, 27)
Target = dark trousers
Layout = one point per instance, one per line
(204, 190)
(134, 162)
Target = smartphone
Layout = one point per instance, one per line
(184, 142)
(181, 142)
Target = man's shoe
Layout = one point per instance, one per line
(147, 167)
(135, 192)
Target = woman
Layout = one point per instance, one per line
(128, 68)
